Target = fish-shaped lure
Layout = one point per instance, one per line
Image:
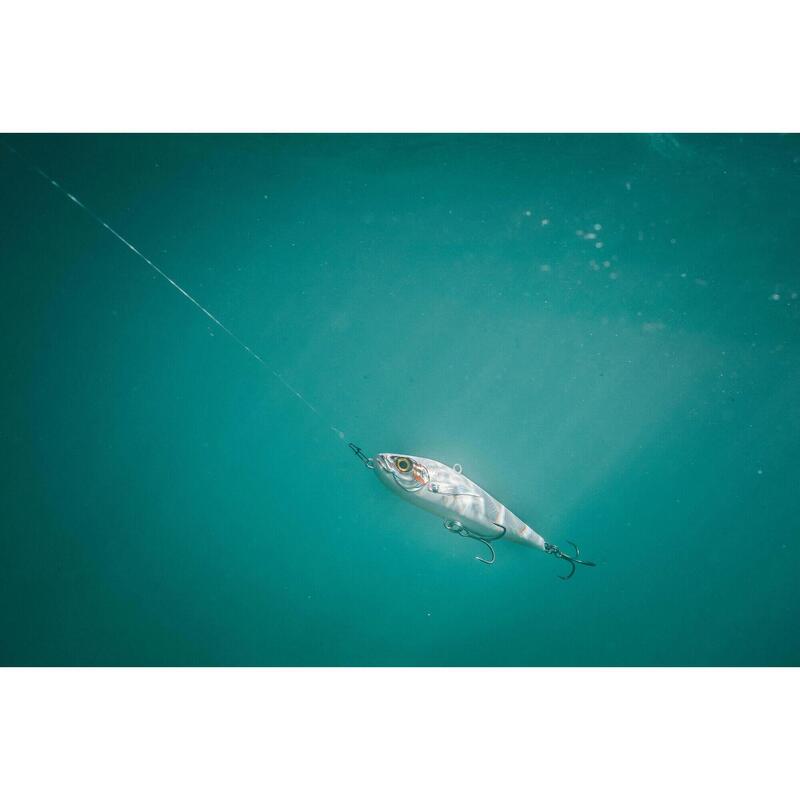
(466, 508)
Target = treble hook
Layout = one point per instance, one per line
(456, 527)
(551, 548)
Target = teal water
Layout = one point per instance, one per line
(167, 501)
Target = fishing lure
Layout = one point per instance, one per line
(466, 508)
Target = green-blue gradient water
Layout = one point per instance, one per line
(602, 329)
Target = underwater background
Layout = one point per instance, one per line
(603, 330)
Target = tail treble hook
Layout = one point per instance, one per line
(554, 550)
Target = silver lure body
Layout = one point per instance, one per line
(445, 491)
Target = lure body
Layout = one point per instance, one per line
(451, 495)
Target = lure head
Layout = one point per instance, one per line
(401, 472)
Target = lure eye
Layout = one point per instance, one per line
(403, 464)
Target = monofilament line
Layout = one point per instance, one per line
(72, 198)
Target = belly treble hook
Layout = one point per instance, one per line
(456, 527)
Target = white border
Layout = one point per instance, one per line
(391, 733)
(431, 65)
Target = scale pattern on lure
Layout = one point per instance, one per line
(465, 507)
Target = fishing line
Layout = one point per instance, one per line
(72, 198)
